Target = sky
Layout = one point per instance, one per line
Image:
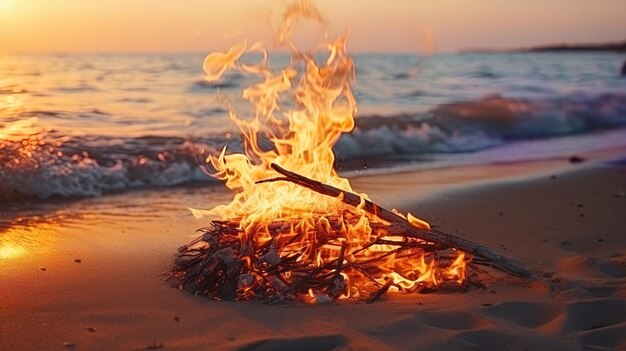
(375, 25)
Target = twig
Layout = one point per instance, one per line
(381, 291)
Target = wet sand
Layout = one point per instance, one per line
(87, 273)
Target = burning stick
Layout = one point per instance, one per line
(434, 236)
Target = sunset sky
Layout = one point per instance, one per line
(376, 25)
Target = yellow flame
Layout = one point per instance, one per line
(216, 64)
(303, 109)
(416, 222)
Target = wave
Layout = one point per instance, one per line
(229, 81)
(13, 89)
(202, 85)
(41, 163)
(138, 100)
(80, 88)
(476, 125)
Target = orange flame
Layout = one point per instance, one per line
(303, 109)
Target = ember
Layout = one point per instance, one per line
(307, 235)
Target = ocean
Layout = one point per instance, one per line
(80, 125)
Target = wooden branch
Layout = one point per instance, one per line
(381, 291)
(434, 236)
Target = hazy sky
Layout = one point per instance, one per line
(376, 25)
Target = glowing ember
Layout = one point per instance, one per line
(280, 239)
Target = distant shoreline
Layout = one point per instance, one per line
(563, 47)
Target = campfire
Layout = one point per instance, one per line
(295, 229)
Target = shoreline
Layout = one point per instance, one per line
(81, 183)
(429, 180)
(115, 297)
(430, 184)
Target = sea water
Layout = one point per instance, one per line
(89, 124)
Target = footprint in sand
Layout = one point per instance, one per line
(422, 322)
(594, 314)
(313, 343)
(600, 323)
(525, 314)
(453, 321)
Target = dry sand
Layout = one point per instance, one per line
(570, 229)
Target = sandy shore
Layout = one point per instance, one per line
(87, 273)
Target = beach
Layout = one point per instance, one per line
(88, 274)
(314, 179)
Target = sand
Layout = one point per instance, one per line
(86, 274)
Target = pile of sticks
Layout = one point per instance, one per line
(226, 263)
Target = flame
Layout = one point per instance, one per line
(303, 109)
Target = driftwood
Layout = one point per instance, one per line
(433, 236)
(229, 262)
(213, 266)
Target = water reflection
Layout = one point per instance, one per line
(26, 241)
(137, 206)
(10, 250)
(11, 104)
